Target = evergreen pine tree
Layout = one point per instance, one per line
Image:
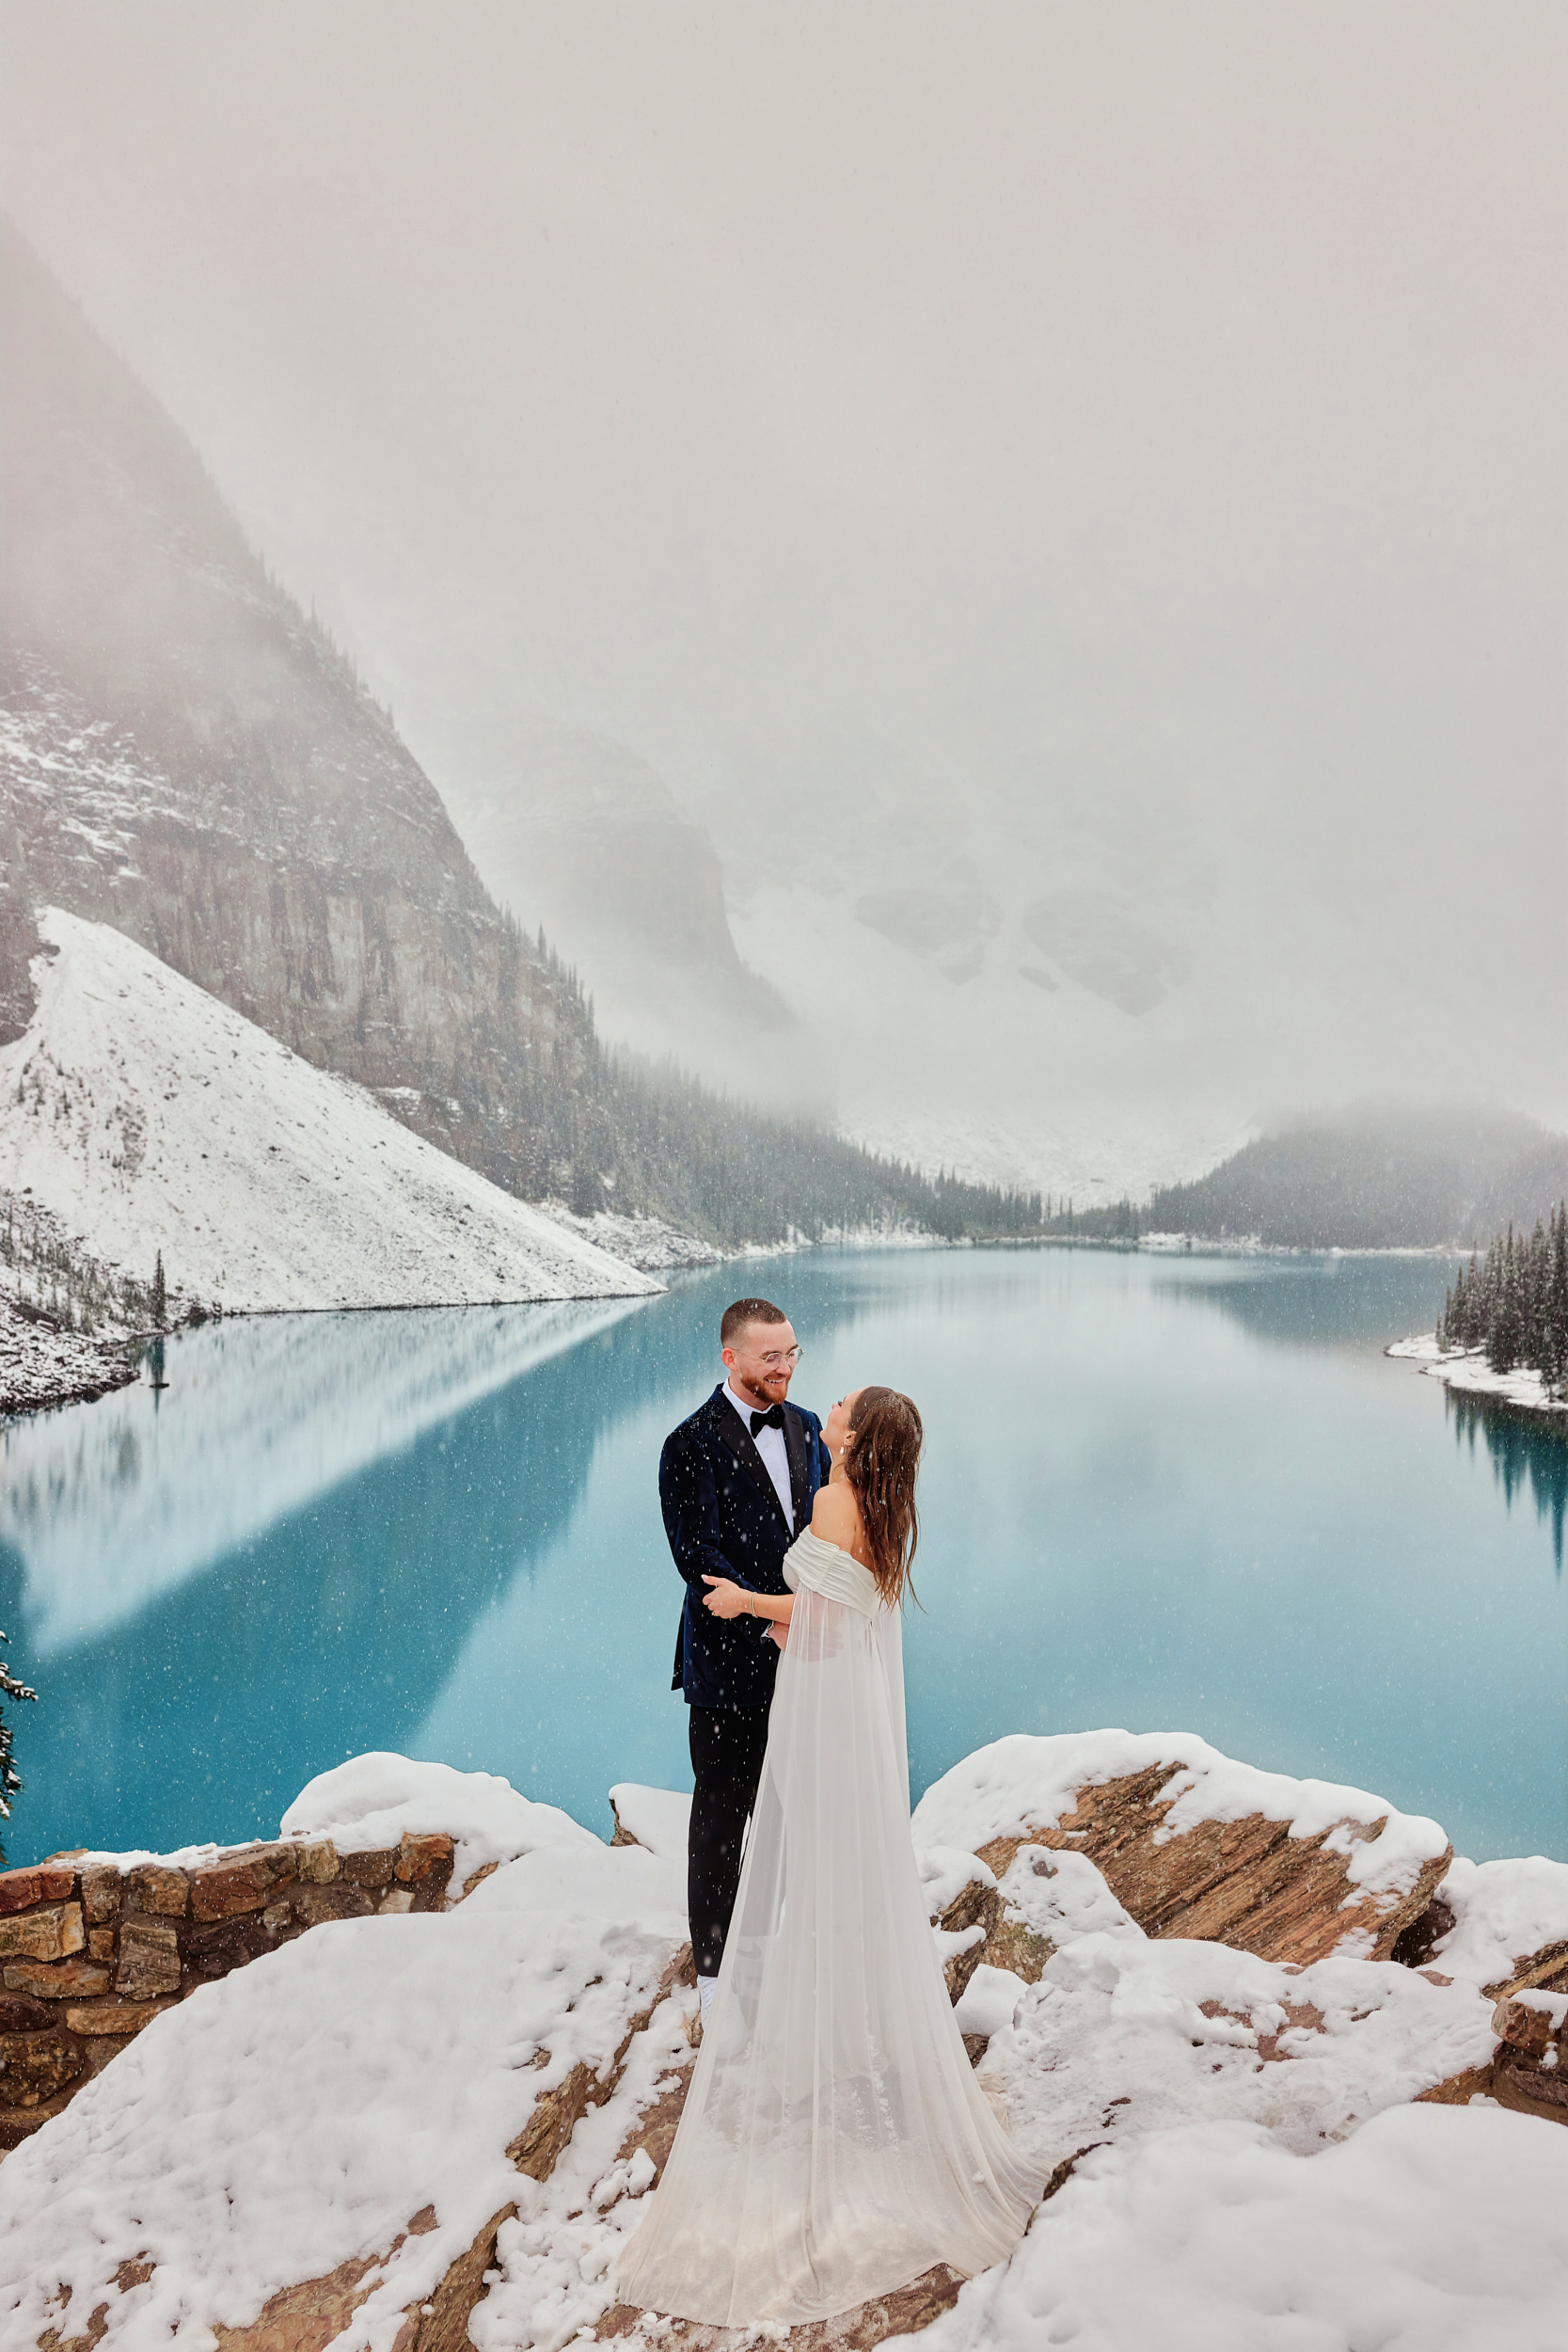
(10, 1782)
(1506, 1332)
(1554, 1368)
(160, 1295)
(1533, 1298)
(587, 1193)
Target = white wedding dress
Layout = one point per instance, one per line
(834, 2142)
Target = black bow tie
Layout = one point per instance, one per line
(772, 1418)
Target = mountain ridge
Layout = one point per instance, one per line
(1374, 1176)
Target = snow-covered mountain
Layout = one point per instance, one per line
(147, 1116)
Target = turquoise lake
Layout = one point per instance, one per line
(1180, 1492)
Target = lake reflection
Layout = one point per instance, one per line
(1159, 1492)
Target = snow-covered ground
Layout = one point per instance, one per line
(49, 1352)
(376, 1799)
(1435, 2230)
(1256, 2179)
(400, 2069)
(146, 1116)
(40, 1365)
(655, 1818)
(659, 1249)
(1502, 1911)
(644, 1242)
(1466, 1368)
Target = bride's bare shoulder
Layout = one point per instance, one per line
(835, 1517)
(832, 1506)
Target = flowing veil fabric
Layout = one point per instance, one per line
(834, 2142)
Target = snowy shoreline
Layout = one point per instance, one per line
(45, 1368)
(1205, 1246)
(1467, 1371)
(41, 1366)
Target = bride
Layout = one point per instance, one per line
(834, 2142)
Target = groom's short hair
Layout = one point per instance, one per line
(745, 1311)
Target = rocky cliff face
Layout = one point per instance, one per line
(187, 756)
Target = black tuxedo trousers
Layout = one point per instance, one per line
(728, 1745)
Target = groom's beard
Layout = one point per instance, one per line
(771, 1388)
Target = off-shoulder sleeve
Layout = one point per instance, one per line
(814, 1565)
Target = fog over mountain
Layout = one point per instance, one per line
(1003, 570)
(188, 760)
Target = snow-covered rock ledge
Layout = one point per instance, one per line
(67, 1322)
(1467, 1370)
(644, 1242)
(412, 2126)
(144, 1114)
(42, 1365)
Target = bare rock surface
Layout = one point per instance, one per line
(307, 2317)
(1528, 2071)
(965, 1912)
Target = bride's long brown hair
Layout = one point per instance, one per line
(881, 1461)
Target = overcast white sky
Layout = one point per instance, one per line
(883, 408)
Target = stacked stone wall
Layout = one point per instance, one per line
(92, 1950)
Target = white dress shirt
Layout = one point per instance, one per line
(769, 1444)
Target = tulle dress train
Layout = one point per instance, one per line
(834, 2142)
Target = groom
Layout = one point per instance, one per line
(735, 1485)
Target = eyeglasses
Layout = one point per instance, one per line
(781, 1358)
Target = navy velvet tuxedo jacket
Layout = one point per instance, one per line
(723, 1517)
